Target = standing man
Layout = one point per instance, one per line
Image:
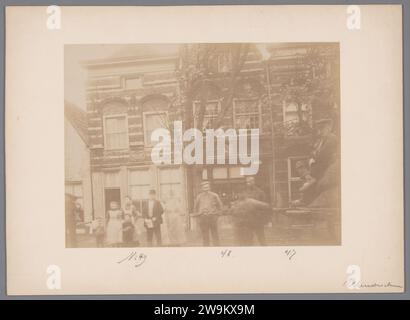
(207, 206)
(256, 224)
(252, 191)
(152, 213)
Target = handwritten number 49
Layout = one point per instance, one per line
(290, 253)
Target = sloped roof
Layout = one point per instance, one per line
(78, 119)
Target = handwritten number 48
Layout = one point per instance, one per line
(226, 253)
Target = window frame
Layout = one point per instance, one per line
(111, 116)
(147, 143)
(235, 114)
(218, 101)
(285, 112)
(129, 185)
(292, 179)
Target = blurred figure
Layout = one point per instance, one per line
(308, 189)
(174, 220)
(325, 148)
(152, 212)
(207, 206)
(128, 231)
(249, 216)
(130, 209)
(98, 232)
(258, 216)
(70, 221)
(78, 211)
(252, 191)
(114, 225)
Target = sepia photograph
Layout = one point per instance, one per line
(202, 144)
(229, 150)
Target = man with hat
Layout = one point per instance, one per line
(207, 206)
(152, 213)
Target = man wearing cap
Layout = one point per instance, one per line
(207, 206)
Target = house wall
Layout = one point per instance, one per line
(77, 167)
(129, 86)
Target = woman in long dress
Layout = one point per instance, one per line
(114, 225)
(174, 220)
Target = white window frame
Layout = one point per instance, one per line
(205, 116)
(235, 114)
(147, 140)
(110, 116)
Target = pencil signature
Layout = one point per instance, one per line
(376, 285)
(135, 258)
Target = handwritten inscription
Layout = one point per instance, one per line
(226, 253)
(290, 253)
(134, 258)
(374, 285)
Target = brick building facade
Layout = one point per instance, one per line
(131, 94)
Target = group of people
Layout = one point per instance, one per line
(154, 220)
(249, 214)
(125, 226)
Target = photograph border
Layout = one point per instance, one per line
(334, 296)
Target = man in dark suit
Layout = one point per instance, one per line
(152, 213)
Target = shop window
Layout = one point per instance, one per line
(170, 183)
(227, 182)
(139, 185)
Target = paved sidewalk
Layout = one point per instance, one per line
(274, 237)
